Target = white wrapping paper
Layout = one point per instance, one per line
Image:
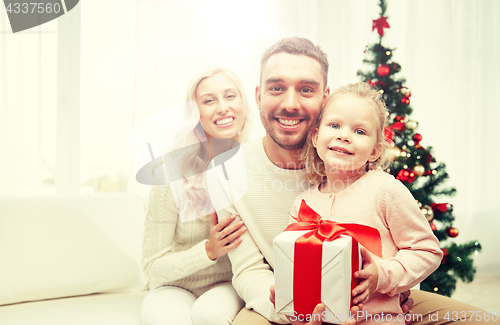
(335, 282)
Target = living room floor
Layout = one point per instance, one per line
(483, 292)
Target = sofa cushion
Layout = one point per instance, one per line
(105, 309)
(59, 246)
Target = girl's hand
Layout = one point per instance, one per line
(369, 276)
(223, 236)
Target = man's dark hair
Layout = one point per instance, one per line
(299, 46)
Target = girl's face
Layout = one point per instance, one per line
(348, 134)
(221, 107)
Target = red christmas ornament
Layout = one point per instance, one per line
(445, 254)
(417, 138)
(405, 100)
(399, 123)
(380, 24)
(406, 175)
(427, 173)
(452, 232)
(383, 70)
(433, 226)
(389, 134)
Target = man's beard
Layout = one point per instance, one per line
(293, 146)
(267, 121)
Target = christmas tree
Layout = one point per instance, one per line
(415, 166)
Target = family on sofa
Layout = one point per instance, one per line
(217, 267)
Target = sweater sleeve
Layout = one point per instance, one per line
(160, 263)
(252, 275)
(252, 278)
(419, 251)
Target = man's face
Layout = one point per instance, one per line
(290, 97)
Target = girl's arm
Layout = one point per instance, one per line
(159, 262)
(419, 251)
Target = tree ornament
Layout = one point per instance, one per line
(427, 212)
(405, 91)
(411, 125)
(379, 25)
(452, 232)
(442, 207)
(406, 175)
(419, 170)
(417, 138)
(383, 70)
(395, 67)
(374, 83)
(445, 254)
(405, 100)
(433, 226)
(399, 123)
(389, 135)
(394, 152)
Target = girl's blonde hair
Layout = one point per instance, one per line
(195, 158)
(314, 166)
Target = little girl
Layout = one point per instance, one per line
(344, 157)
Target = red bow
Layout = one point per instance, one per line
(380, 24)
(308, 253)
(389, 134)
(376, 83)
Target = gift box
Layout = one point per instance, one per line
(314, 261)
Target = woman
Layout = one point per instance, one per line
(185, 262)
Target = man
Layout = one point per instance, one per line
(292, 89)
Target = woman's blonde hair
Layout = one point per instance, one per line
(196, 157)
(315, 167)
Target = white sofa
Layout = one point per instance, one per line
(71, 259)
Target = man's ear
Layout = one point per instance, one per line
(257, 96)
(376, 152)
(314, 138)
(326, 94)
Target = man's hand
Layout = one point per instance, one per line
(316, 316)
(406, 303)
(369, 276)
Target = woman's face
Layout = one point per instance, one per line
(221, 107)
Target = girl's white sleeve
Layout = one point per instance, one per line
(160, 263)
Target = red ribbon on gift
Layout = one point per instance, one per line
(309, 251)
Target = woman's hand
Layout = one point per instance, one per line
(369, 278)
(317, 314)
(224, 236)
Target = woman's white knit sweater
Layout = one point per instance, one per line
(173, 253)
